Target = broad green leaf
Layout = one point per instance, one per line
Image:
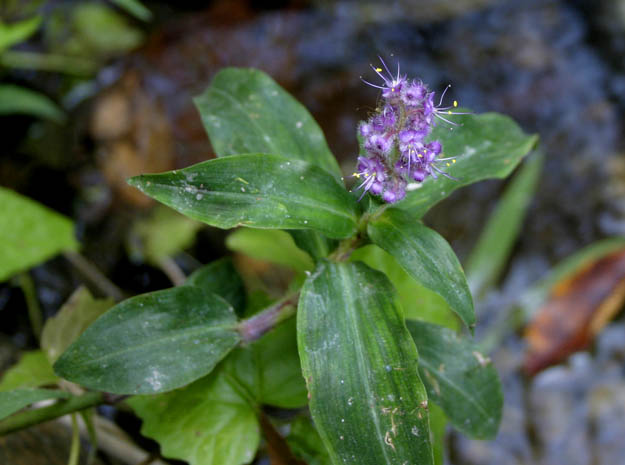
(417, 302)
(30, 233)
(426, 256)
(12, 401)
(305, 442)
(209, 422)
(20, 100)
(256, 190)
(12, 34)
(151, 343)
(32, 370)
(221, 278)
(317, 245)
(461, 380)
(438, 424)
(270, 368)
(162, 234)
(135, 8)
(245, 111)
(360, 366)
(273, 246)
(100, 32)
(80, 310)
(487, 145)
(534, 297)
(491, 253)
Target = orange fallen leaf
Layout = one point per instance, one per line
(576, 310)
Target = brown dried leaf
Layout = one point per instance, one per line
(577, 309)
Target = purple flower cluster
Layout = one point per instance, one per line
(393, 143)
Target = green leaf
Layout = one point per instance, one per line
(33, 370)
(459, 379)
(12, 401)
(12, 34)
(256, 190)
(317, 245)
(426, 256)
(360, 366)
(162, 234)
(490, 255)
(151, 343)
(30, 233)
(80, 310)
(209, 422)
(20, 100)
(273, 246)
(221, 278)
(245, 111)
(487, 145)
(135, 8)
(417, 302)
(438, 424)
(305, 442)
(270, 368)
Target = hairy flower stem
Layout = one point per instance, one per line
(254, 327)
(29, 418)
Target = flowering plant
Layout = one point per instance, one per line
(372, 286)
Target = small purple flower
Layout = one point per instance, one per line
(378, 144)
(413, 94)
(394, 138)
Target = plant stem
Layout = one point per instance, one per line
(74, 453)
(254, 327)
(29, 418)
(169, 266)
(34, 310)
(94, 275)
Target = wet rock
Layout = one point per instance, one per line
(607, 410)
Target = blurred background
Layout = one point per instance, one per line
(95, 91)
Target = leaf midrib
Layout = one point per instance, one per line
(273, 197)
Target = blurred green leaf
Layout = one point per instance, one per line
(221, 278)
(245, 111)
(416, 301)
(305, 442)
(80, 310)
(30, 233)
(162, 234)
(438, 423)
(135, 8)
(426, 256)
(99, 30)
(152, 343)
(256, 190)
(12, 401)
(209, 422)
(360, 366)
(20, 100)
(490, 255)
(487, 145)
(32, 370)
(272, 246)
(458, 378)
(12, 34)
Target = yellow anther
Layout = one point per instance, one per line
(447, 164)
(455, 103)
(379, 70)
(449, 112)
(453, 161)
(357, 175)
(420, 156)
